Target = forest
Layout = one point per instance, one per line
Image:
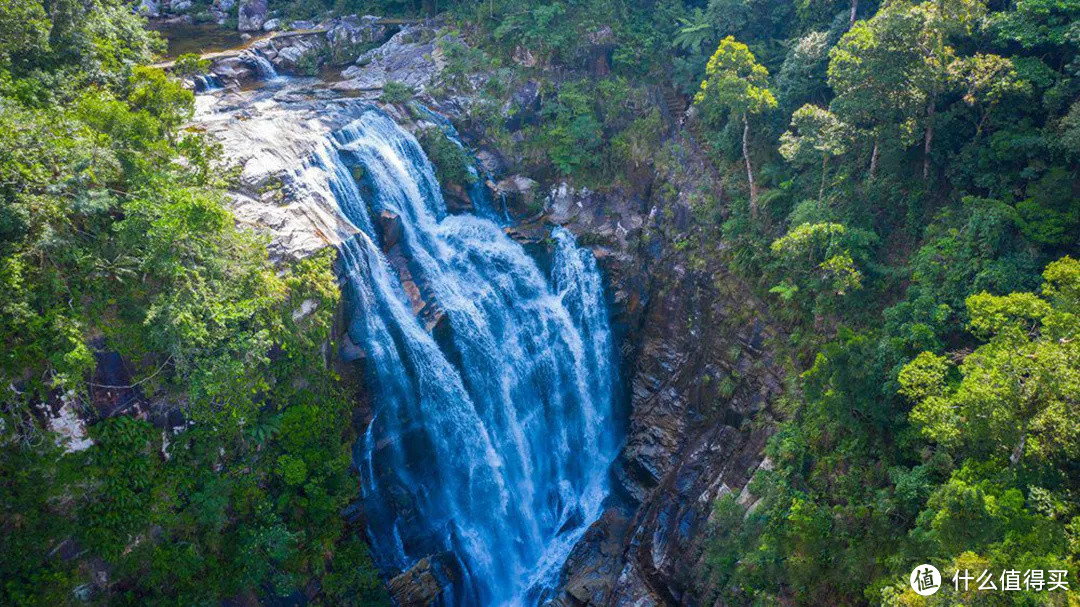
(900, 187)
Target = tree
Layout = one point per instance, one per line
(814, 131)
(890, 71)
(941, 19)
(1017, 396)
(24, 29)
(736, 84)
(986, 79)
(870, 72)
(823, 251)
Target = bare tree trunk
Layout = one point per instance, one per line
(824, 173)
(929, 140)
(1018, 450)
(749, 167)
(854, 9)
(874, 159)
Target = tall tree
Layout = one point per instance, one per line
(816, 134)
(737, 85)
(870, 71)
(941, 19)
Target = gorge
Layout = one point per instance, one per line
(498, 409)
(530, 303)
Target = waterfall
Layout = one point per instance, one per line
(493, 380)
(205, 83)
(262, 66)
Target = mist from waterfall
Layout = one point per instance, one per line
(492, 433)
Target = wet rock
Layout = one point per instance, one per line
(252, 15)
(269, 140)
(390, 226)
(591, 568)
(233, 69)
(420, 585)
(457, 199)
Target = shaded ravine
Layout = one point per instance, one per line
(492, 433)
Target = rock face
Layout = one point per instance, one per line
(701, 379)
(252, 15)
(409, 57)
(352, 30)
(280, 192)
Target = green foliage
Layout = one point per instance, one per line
(575, 136)
(694, 31)
(190, 64)
(114, 238)
(735, 82)
(1012, 401)
(452, 162)
(396, 92)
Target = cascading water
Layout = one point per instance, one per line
(492, 434)
(262, 65)
(205, 83)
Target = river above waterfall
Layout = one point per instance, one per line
(493, 376)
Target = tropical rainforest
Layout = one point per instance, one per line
(900, 188)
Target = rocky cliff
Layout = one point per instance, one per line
(701, 378)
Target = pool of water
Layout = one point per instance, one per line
(197, 38)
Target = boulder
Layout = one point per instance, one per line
(252, 15)
(352, 30)
(271, 25)
(232, 69)
(288, 59)
(390, 226)
(592, 566)
(149, 8)
(181, 6)
(519, 185)
(491, 161)
(517, 191)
